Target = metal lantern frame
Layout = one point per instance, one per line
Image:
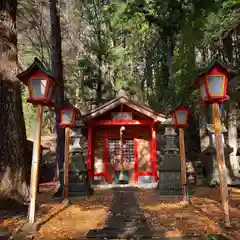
(175, 118)
(37, 72)
(70, 124)
(208, 85)
(206, 91)
(47, 98)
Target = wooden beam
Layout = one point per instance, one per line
(99, 174)
(141, 174)
(120, 122)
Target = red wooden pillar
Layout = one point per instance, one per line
(136, 170)
(154, 152)
(106, 157)
(89, 162)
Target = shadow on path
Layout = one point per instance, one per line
(126, 219)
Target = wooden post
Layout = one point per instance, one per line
(106, 157)
(135, 156)
(89, 161)
(66, 162)
(221, 163)
(154, 153)
(121, 152)
(35, 165)
(183, 165)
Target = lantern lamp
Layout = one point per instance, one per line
(67, 116)
(41, 84)
(180, 116)
(213, 82)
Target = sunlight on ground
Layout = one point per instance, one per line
(11, 225)
(161, 206)
(74, 222)
(176, 233)
(203, 216)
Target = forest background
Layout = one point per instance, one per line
(150, 48)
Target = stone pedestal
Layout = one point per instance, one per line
(227, 150)
(78, 181)
(170, 168)
(170, 183)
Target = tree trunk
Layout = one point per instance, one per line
(232, 137)
(170, 45)
(14, 161)
(57, 69)
(228, 47)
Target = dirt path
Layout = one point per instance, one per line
(126, 219)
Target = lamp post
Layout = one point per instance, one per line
(67, 120)
(213, 83)
(180, 118)
(41, 87)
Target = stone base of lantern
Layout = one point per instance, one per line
(170, 182)
(170, 175)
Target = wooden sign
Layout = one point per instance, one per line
(122, 116)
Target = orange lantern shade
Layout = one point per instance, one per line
(180, 116)
(213, 82)
(67, 116)
(40, 82)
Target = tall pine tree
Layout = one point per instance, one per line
(14, 164)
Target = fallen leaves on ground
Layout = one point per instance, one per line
(202, 216)
(164, 215)
(11, 225)
(78, 218)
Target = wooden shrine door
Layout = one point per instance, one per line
(116, 173)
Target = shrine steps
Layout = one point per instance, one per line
(79, 189)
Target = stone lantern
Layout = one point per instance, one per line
(170, 136)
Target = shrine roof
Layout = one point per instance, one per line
(157, 117)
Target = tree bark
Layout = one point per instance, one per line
(14, 160)
(57, 69)
(232, 137)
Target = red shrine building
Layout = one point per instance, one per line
(137, 126)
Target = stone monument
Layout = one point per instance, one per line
(170, 167)
(78, 182)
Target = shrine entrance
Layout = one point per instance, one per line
(120, 171)
(122, 143)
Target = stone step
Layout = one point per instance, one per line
(80, 193)
(234, 193)
(77, 187)
(131, 232)
(201, 180)
(174, 192)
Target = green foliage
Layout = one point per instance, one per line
(151, 48)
